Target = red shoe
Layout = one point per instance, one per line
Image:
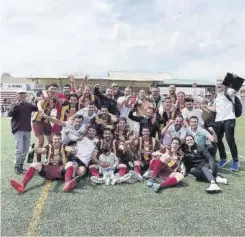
(69, 185)
(17, 186)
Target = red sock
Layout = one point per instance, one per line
(69, 174)
(28, 176)
(157, 169)
(169, 182)
(153, 164)
(137, 169)
(122, 171)
(94, 172)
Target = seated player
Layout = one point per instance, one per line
(145, 146)
(84, 148)
(107, 139)
(108, 163)
(166, 167)
(122, 149)
(53, 170)
(201, 164)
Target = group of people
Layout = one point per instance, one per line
(122, 137)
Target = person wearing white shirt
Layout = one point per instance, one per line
(72, 130)
(124, 110)
(189, 111)
(225, 122)
(88, 113)
(78, 163)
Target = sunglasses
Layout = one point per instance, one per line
(115, 86)
(208, 95)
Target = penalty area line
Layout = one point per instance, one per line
(32, 229)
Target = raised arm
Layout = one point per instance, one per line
(135, 118)
(39, 106)
(73, 83)
(165, 129)
(54, 120)
(82, 86)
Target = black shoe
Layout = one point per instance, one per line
(17, 170)
(22, 169)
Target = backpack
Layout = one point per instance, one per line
(237, 105)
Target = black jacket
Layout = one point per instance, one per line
(197, 157)
(145, 122)
(111, 104)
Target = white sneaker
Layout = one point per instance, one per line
(213, 188)
(124, 178)
(107, 179)
(221, 180)
(115, 179)
(147, 174)
(136, 175)
(183, 169)
(97, 180)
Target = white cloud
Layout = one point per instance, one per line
(191, 38)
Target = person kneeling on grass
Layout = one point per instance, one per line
(55, 169)
(166, 166)
(144, 146)
(108, 162)
(201, 164)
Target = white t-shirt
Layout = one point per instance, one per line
(86, 117)
(84, 149)
(224, 107)
(124, 111)
(73, 134)
(111, 159)
(187, 114)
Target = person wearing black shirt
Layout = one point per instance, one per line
(201, 164)
(21, 112)
(106, 99)
(149, 120)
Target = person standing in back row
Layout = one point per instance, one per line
(225, 122)
(21, 112)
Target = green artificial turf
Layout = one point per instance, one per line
(128, 209)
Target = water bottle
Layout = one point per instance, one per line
(31, 152)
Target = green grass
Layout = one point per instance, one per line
(129, 209)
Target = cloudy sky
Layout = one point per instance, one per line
(186, 38)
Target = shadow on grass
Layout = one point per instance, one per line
(33, 187)
(82, 183)
(179, 185)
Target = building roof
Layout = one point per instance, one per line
(180, 81)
